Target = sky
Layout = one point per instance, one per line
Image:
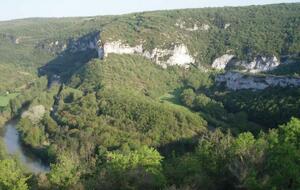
(15, 9)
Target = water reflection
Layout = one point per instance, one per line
(13, 146)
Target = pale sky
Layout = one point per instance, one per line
(13, 9)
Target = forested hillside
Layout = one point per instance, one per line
(92, 100)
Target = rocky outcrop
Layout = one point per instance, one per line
(195, 28)
(181, 25)
(87, 42)
(34, 113)
(118, 47)
(179, 55)
(227, 25)
(13, 39)
(221, 62)
(259, 64)
(239, 81)
(205, 27)
(84, 43)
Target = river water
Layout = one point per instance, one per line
(14, 147)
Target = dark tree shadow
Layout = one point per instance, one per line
(76, 54)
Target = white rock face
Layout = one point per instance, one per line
(227, 25)
(260, 64)
(205, 27)
(177, 56)
(118, 48)
(221, 62)
(180, 56)
(17, 40)
(195, 28)
(181, 25)
(238, 81)
(34, 113)
(157, 56)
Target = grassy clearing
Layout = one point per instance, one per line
(4, 100)
(173, 99)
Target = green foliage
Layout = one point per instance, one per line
(64, 174)
(36, 94)
(291, 69)
(4, 100)
(31, 43)
(125, 72)
(32, 134)
(107, 113)
(11, 176)
(268, 107)
(139, 169)
(197, 79)
(270, 161)
(291, 132)
(188, 97)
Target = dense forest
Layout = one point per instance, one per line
(124, 122)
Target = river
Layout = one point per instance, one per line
(14, 146)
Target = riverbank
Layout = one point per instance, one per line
(14, 146)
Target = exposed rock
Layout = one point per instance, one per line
(118, 48)
(17, 40)
(239, 81)
(221, 62)
(205, 27)
(84, 43)
(34, 113)
(227, 25)
(181, 25)
(88, 42)
(164, 57)
(195, 28)
(180, 56)
(259, 64)
(157, 55)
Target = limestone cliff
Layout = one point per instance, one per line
(221, 62)
(89, 41)
(239, 81)
(258, 64)
(178, 55)
(118, 47)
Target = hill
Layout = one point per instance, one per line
(135, 101)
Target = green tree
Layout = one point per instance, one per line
(65, 172)
(139, 169)
(283, 161)
(188, 97)
(11, 176)
(32, 134)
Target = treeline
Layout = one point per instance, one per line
(269, 107)
(220, 161)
